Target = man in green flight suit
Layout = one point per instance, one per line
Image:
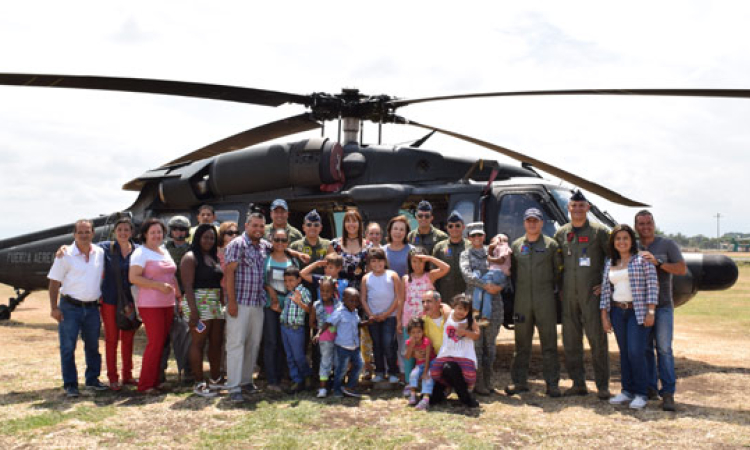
(449, 251)
(279, 220)
(425, 235)
(584, 248)
(535, 267)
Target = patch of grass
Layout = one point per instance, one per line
(117, 433)
(730, 307)
(51, 418)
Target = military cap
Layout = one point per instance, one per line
(279, 203)
(424, 205)
(312, 216)
(475, 228)
(578, 196)
(455, 217)
(533, 212)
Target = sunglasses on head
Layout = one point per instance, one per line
(280, 240)
(424, 215)
(312, 224)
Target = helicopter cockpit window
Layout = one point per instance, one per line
(466, 209)
(510, 216)
(227, 215)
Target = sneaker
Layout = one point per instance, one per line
(621, 398)
(576, 390)
(407, 391)
(97, 385)
(667, 403)
(203, 390)
(393, 379)
(378, 378)
(236, 397)
(412, 400)
(349, 392)
(514, 389)
(423, 404)
(322, 392)
(72, 392)
(216, 384)
(639, 402)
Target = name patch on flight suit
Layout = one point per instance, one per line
(583, 238)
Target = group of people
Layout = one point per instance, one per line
(423, 309)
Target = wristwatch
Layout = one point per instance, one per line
(659, 262)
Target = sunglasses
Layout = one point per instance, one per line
(232, 233)
(179, 229)
(313, 224)
(454, 225)
(280, 240)
(424, 216)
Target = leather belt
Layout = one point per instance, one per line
(80, 303)
(291, 327)
(622, 305)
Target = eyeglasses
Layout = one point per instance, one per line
(280, 240)
(232, 233)
(454, 225)
(313, 224)
(424, 216)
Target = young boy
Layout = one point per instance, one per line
(346, 320)
(296, 305)
(332, 265)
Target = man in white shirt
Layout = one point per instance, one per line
(76, 280)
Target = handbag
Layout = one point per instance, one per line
(126, 313)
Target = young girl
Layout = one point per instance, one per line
(459, 334)
(322, 309)
(417, 282)
(419, 347)
(381, 294)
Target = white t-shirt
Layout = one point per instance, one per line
(80, 279)
(621, 281)
(141, 255)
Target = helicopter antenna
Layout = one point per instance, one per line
(418, 143)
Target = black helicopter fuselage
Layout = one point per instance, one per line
(318, 173)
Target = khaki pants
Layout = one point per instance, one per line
(244, 333)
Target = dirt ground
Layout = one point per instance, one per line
(712, 359)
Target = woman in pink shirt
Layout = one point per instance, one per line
(153, 271)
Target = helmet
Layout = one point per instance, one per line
(179, 221)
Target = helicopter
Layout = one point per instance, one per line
(332, 175)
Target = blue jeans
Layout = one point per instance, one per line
(294, 346)
(416, 374)
(86, 322)
(482, 300)
(383, 336)
(327, 353)
(661, 335)
(273, 348)
(409, 363)
(343, 358)
(631, 339)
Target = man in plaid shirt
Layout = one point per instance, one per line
(244, 280)
(296, 305)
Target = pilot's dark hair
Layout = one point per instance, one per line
(614, 255)
(196, 248)
(126, 220)
(148, 223)
(208, 207)
(80, 221)
(643, 212)
(391, 222)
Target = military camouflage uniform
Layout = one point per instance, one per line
(453, 282)
(427, 241)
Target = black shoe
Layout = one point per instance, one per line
(553, 391)
(667, 403)
(97, 385)
(603, 394)
(72, 392)
(653, 394)
(514, 389)
(576, 390)
(349, 392)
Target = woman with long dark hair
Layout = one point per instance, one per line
(203, 305)
(352, 246)
(630, 292)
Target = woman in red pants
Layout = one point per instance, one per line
(153, 271)
(116, 266)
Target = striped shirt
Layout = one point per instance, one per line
(644, 286)
(293, 314)
(248, 278)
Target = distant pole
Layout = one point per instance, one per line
(718, 230)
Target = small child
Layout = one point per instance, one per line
(419, 347)
(296, 305)
(320, 312)
(332, 265)
(498, 258)
(346, 320)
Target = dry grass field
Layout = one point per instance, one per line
(712, 349)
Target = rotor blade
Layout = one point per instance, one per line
(253, 136)
(263, 133)
(151, 86)
(728, 93)
(552, 170)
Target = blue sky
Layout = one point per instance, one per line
(64, 154)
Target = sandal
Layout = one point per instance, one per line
(203, 390)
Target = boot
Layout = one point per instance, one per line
(667, 403)
(480, 388)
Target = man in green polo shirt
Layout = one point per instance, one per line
(279, 219)
(449, 250)
(584, 248)
(425, 235)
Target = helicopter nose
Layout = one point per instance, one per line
(718, 272)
